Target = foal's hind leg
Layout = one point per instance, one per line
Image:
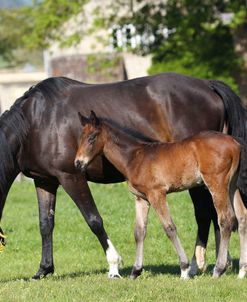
(77, 188)
(204, 213)
(241, 213)
(142, 209)
(46, 197)
(158, 201)
(226, 218)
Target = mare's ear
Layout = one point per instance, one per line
(93, 119)
(82, 119)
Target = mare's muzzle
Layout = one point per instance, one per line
(81, 165)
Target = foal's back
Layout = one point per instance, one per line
(182, 165)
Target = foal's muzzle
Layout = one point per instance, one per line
(80, 165)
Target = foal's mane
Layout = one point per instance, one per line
(131, 133)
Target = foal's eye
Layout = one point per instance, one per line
(92, 138)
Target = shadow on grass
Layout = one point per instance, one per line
(125, 272)
(152, 270)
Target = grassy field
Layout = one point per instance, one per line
(81, 268)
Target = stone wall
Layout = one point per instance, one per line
(100, 68)
(14, 84)
(93, 68)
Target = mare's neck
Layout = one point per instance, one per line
(119, 148)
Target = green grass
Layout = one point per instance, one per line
(81, 268)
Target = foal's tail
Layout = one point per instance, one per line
(236, 117)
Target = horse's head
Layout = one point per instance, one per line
(91, 141)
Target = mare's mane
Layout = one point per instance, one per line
(14, 122)
(54, 87)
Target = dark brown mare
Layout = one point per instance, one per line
(39, 136)
(153, 170)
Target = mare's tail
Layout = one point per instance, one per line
(236, 117)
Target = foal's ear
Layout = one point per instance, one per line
(82, 119)
(93, 119)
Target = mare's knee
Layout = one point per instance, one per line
(96, 224)
(46, 226)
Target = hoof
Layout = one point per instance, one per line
(217, 272)
(114, 276)
(196, 268)
(185, 274)
(43, 272)
(135, 273)
(242, 272)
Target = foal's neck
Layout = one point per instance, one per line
(119, 148)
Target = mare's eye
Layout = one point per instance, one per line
(92, 138)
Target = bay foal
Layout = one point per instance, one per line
(156, 169)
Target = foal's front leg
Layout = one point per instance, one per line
(158, 201)
(142, 208)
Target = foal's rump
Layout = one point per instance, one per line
(216, 153)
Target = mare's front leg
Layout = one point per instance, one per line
(142, 208)
(158, 200)
(77, 188)
(46, 194)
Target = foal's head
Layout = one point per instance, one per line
(91, 141)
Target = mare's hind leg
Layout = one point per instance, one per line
(241, 213)
(202, 201)
(142, 209)
(158, 201)
(47, 198)
(77, 188)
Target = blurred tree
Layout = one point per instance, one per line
(203, 38)
(12, 28)
(48, 19)
(36, 26)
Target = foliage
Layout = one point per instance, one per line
(187, 36)
(36, 26)
(81, 268)
(12, 28)
(203, 43)
(48, 22)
